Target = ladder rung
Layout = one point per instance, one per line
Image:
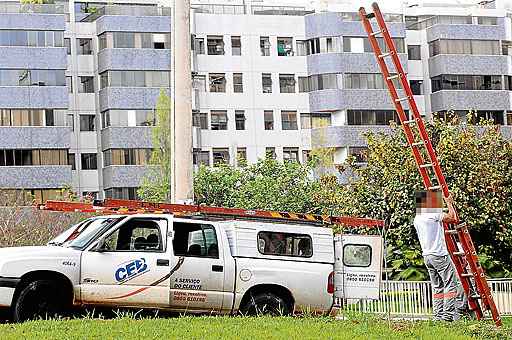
(460, 226)
(450, 232)
(409, 121)
(396, 76)
(384, 55)
(476, 296)
(466, 274)
(377, 32)
(418, 143)
(435, 187)
(459, 253)
(370, 15)
(401, 99)
(428, 165)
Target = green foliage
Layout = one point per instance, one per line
(155, 186)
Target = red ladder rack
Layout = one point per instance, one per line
(117, 206)
(470, 271)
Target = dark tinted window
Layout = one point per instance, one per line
(286, 244)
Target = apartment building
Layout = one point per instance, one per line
(79, 82)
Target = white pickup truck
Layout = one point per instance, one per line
(190, 265)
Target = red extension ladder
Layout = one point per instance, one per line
(466, 262)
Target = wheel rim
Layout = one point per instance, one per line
(37, 304)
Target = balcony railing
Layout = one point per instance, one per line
(219, 9)
(150, 11)
(15, 7)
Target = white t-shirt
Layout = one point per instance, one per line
(429, 227)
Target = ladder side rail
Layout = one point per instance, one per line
(394, 96)
(412, 103)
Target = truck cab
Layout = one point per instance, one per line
(191, 265)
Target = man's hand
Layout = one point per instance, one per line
(451, 217)
(449, 199)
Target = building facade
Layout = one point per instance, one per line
(79, 82)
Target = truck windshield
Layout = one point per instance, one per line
(89, 231)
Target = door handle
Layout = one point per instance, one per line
(217, 268)
(162, 262)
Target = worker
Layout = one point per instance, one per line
(429, 227)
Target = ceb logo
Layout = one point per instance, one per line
(131, 269)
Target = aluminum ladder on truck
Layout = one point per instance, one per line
(469, 270)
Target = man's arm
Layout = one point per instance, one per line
(451, 216)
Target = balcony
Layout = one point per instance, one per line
(123, 175)
(468, 100)
(134, 59)
(128, 10)
(128, 97)
(117, 137)
(16, 7)
(468, 64)
(25, 97)
(466, 31)
(348, 62)
(333, 100)
(346, 135)
(38, 58)
(36, 137)
(35, 177)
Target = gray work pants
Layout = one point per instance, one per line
(446, 290)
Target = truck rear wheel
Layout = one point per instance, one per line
(39, 299)
(266, 304)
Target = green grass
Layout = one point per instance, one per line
(360, 327)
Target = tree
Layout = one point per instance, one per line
(155, 185)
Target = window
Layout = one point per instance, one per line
(362, 45)
(303, 84)
(24, 157)
(268, 117)
(240, 120)
(285, 244)
(160, 41)
(89, 161)
(238, 84)
(266, 81)
(320, 120)
(32, 117)
(27, 77)
(371, 117)
(128, 118)
(70, 121)
(87, 123)
(219, 120)
(416, 87)
(201, 157)
(126, 193)
(359, 153)
(459, 46)
(414, 52)
(199, 82)
(284, 46)
(270, 152)
(102, 41)
(215, 45)
(220, 156)
(330, 45)
(465, 82)
(217, 82)
(134, 79)
(124, 40)
(366, 81)
(306, 156)
(287, 83)
(289, 120)
(200, 119)
(302, 47)
(194, 239)
(305, 121)
(126, 156)
(241, 156)
(357, 255)
(487, 21)
(67, 45)
(84, 46)
(31, 38)
(318, 82)
(291, 154)
(86, 84)
(138, 234)
(71, 161)
(265, 46)
(199, 45)
(236, 45)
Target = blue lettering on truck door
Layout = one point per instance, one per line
(130, 270)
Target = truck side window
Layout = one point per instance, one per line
(357, 255)
(287, 244)
(136, 235)
(195, 239)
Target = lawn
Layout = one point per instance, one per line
(362, 327)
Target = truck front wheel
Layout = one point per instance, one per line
(266, 304)
(39, 299)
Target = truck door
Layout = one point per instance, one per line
(358, 266)
(132, 267)
(198, 284)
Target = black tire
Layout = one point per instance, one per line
(40, 299)
(266, 304)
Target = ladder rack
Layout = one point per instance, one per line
(469, 270)
(117, 206)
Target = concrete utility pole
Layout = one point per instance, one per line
(181, 115)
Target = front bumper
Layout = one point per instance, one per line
(7, 288)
